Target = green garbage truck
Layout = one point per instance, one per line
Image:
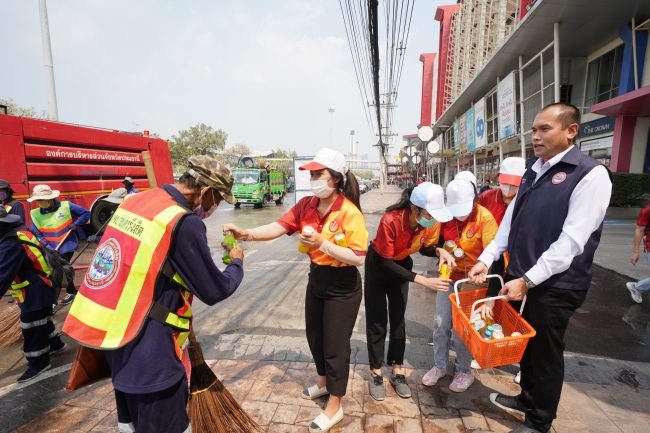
(258, 186)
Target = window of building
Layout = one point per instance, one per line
(603, 76)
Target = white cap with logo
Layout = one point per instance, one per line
(431, 197)
(327, 158)
(467, 175)
(460, 197)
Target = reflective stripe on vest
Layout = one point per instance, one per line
(38, 260)
(53, 225)
(116, 295)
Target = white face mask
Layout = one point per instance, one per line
(321, 189)
(508, 191)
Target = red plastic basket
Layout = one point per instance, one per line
(490, 353)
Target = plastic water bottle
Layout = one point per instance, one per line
(302, 247)
(229, 243)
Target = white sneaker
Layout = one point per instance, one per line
(475, 365)
(634, 292)
(433, 376)
(461, 382)
(322, 423)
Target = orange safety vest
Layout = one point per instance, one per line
(32, 248)
(117, 293)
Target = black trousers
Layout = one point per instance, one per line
(70, 289)
(155, 412)
(39, 336)
(331, 307)
(385, 301)
(548, 310)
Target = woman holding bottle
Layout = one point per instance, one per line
(336, 242)
(409, 226)
(466, 235)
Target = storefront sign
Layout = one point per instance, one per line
(506, 99)
(596, 127)
(598, 143)
(480, 130)
(469, 115)
(456, 138)
(462, 130)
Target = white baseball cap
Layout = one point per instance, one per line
(43, 192)
(460, 197)
(431, 197)
(327, 158)
(467, 175)
(511, 170)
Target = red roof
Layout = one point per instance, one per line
(634, 103)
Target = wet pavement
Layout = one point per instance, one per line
(256, 341)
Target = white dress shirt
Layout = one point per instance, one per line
(587, 206)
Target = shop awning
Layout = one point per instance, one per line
(636, 103)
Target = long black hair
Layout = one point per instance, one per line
(404, 201)
(349, 188)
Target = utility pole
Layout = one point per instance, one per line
(52, 109)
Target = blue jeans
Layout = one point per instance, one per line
(443, 331)
(644, 284)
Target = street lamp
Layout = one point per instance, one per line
(331, 111)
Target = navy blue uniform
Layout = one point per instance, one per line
(17, 208)
(149, 363)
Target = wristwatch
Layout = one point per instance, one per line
(528, 282)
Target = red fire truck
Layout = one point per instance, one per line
(84, 163)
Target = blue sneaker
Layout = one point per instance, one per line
(32, 373)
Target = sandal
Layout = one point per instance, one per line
(313, 392)
(322, 423)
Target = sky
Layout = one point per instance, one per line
(266, 72)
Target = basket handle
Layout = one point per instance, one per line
(493, 298)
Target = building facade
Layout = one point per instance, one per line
(501, 61)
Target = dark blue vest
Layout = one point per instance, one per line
(538, 217)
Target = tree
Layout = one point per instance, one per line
(16, 110)
(286, 154)
(233, 154)
(200, 139)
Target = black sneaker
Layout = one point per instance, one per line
(401, 387)
(58, 348)
(509, 403)
(32, 373)
(68, 299)
(376, 387)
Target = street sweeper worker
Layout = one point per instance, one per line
(52, 220)
(24, 272)
(7, 200)
(135, 299)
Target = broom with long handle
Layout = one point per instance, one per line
(212, 409)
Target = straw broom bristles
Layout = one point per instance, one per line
(212, 409)
(10, 332)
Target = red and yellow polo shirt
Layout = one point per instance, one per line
(472, 236)
(343, 217)
(396, 240)
(492, 200)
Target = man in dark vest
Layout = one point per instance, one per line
(551, 229)
(11, 205)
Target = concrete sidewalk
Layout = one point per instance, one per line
(267, 373)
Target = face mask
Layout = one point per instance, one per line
(426, 223)
(43, 204)
(3, 196)
(321, 189)
(202, 213)
(508, 191)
